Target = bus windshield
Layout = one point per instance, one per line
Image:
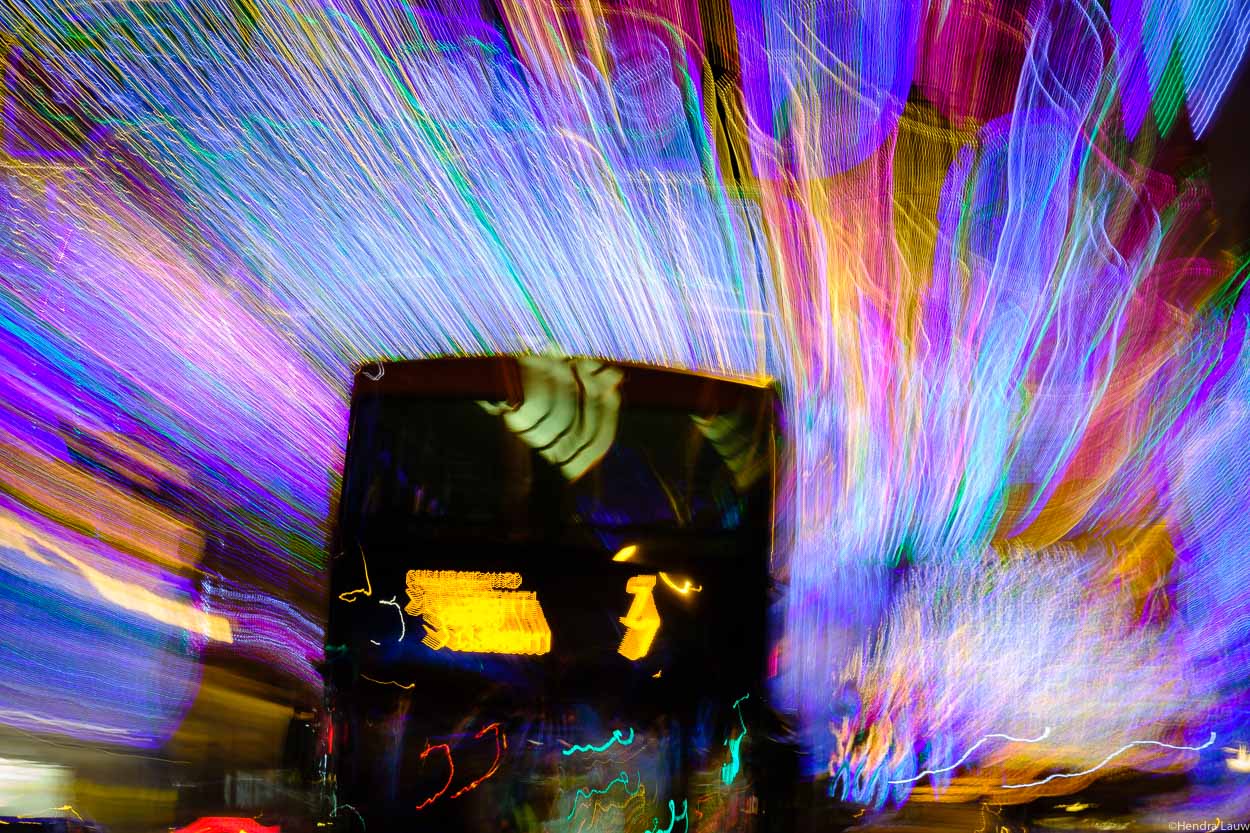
(580, 467)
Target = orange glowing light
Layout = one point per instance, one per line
(642, 620)
(626, 553)
(475, 612)
(1240, 760)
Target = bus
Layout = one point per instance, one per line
(549, 593)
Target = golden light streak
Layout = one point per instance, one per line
(125, 594)
(686, 588)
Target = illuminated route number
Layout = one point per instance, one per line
(642, 621)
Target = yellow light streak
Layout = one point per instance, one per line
(685, 589)
(125, 594)
(626, 553)
(129, 596)
(404, 686)
(367, 590)
(81, 501)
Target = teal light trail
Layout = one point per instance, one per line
(616, 738)
(623, 778)
(673, 817)
(729, 770)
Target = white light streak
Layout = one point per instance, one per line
(1108, 759)
(403, 629)
(997, 736)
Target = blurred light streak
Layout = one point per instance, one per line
(140, 600)
(366, 591)
(617, 738)
(1240, 761)
(124, 594)
(673, 818)
(501, 745)
(1178, 54)
(1014, 364)
(268, 628)
(687, 586)
(79, 630)
(451, 773)
(403, 628)
(730, 769)
(29, 786)
(227, 824)
(1109, 758)
(79, 500)
(588, 795)
(404, 686)
(998, 736)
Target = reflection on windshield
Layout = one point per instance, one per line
(568, 411)
(544, 472)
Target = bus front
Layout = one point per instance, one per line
(548, 597)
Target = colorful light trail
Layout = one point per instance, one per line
(970, 242)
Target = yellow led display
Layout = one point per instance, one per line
(642, 620)
(476, 612)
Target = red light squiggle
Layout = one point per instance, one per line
(451, 773)
(501, 743)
